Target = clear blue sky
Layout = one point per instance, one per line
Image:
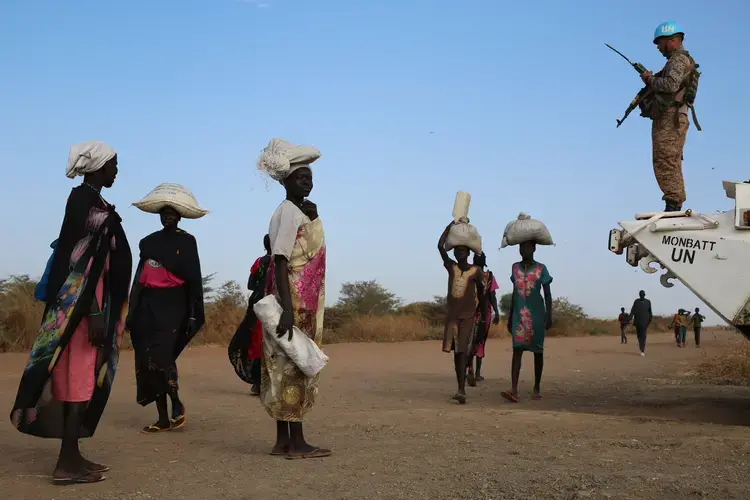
(409, 101)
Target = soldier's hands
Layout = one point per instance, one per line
(646, 77)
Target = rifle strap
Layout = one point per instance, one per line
(695, 118)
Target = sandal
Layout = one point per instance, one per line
(509, 396)
(315, 453)
(179, 420)
(537, 396)
(153, 429)
(461, 398)
(96, 468)
(284, 452)
(87, 477)
(181, 416)
(178, 423)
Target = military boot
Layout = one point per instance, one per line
(671, 206)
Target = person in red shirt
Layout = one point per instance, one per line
(246, 347)
(484, 318)
(257, 283)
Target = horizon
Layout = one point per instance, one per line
(407, 103)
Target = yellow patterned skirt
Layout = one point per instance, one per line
(286, 393)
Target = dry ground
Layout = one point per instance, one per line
(612, 425)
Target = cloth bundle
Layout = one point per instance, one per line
(464, 234)
(524, 228)
(302, 350)
(280, 158)
(171, 195)
(88, 157)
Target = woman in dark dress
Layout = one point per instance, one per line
(67, 381)
(166, 311)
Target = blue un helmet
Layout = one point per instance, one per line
(668, 28)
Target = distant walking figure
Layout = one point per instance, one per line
(624, 320)
(641, 316)
(698, 320)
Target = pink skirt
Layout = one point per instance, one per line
(74, 373)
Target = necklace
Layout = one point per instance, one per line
(98, 191)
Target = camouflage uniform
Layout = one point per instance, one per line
(670, 125)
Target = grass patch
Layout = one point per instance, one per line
(730, 368)
(20, 316)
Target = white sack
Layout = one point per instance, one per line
(280, 158)
(464, 234)
(524, 228)
(173, 195)
(302, 350)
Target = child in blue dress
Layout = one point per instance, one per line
(530, 316)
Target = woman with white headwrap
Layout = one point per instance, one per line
(67, 381)
(297, 278)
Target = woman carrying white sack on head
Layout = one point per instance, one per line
(297, 281)
(166, 302)
(530, 316)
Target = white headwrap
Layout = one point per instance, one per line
(88, 157)
(280, 158)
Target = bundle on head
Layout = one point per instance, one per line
(280, 158)
(464, 234)
(173, 195)
(524, 228)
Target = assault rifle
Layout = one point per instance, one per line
(640, 69)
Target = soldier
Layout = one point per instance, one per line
(667, 106)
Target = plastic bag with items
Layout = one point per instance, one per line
(302, 350)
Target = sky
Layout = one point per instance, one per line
(408, 101)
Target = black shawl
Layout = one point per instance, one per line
(177, 251)
(48, 413)
(74, 228)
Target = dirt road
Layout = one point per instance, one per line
(612, 425)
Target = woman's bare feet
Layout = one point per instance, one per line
(511, 396)
(280, 449)
(307, 451)
(75, 471)
(93, 466)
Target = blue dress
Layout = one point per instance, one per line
(529, 312)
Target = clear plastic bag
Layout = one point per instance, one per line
(302, 350)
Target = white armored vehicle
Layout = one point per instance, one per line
(709, 254)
